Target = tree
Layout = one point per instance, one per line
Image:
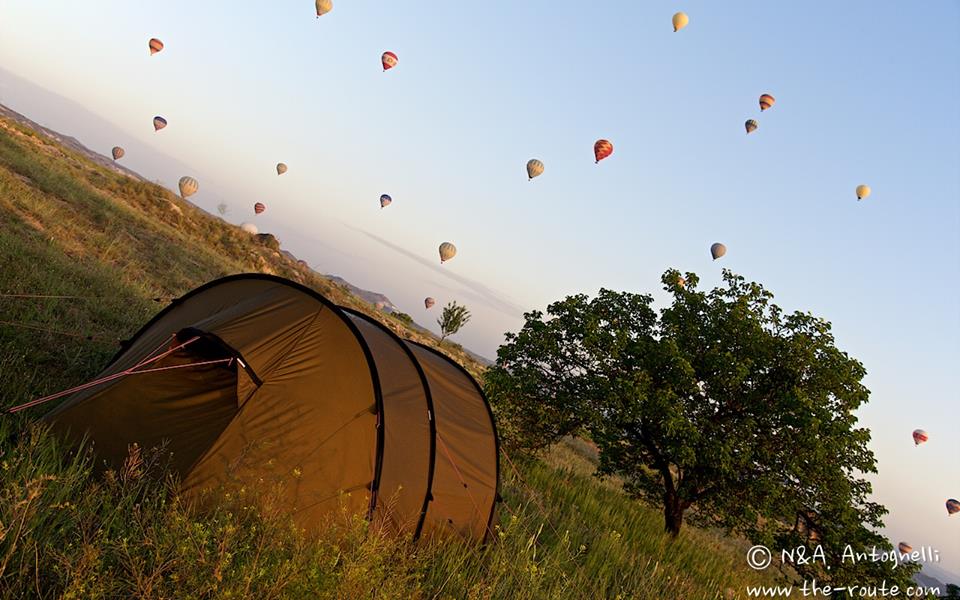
(454, 317)
(953, 592)
(720, 407)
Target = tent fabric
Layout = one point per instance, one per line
(325, 404)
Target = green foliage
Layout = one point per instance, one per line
(403, 318)
(721, 403)
(454, 317)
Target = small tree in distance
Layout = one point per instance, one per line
(454, 317)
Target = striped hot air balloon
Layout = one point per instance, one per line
(188, 186)
(155, 46)
(766, 101)
(428, 302)
(751, 126)
(904, 548)
(680, 20)
(953, 506)
(385, 200)
(602, 149)
(919, 437)
(159, 123)
(323, 7)
(259, 207)
(717, 250)
(447, 251)
(117, 152)
(281, 168)
(389, 60)
(534, 168)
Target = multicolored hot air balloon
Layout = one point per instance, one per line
(680, 21)
(953, 506)
(259, 207)
(155, 46)
(249, 228)
(919, 437)
(602, 149)
(188, 187)
(904, 548)
(863, 191)
(751, 126)
(766, 101)
(117, 152)
(717, 250)
(428, 302)
(389, 60)
(447, 251)
(385, 200)
(534, 168)
(281, 168)
(323, 7)
(159, 123)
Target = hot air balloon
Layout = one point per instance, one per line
(323, 7)
(766, 101)
(680, 21)
(904, 548)
(751, 126)
(429, 302)
(717, 250)
(188, 187)
(447, 251)
(863, 191)
(281, 168)
(117, 153)
(155, 46)
(534, 168)
(919, 437)
(681, 281)
(249, 228)
(953, 506)
(389, 60)
(259, 207)
(385, 200)
(159, 123)
(602, 149)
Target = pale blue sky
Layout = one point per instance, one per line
(866, 93)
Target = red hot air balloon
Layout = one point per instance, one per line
(155, 46)
(389, 60)
(919, 437)
(259, 207)
(602, 149)
(953, 506)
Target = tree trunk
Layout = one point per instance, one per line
(673, 510)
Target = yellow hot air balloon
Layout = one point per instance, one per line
(323, 7)
(681, 281)
(447, 251)
(188, 187)
(766, 101)
(281, 168)
(863, 191)
(534, 168)
(680, 21)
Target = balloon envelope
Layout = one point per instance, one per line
(919, 436)
(259, 207)
(904, 548)
(155, 46)
(159, 123)
(117, 152)
(429, 302)
(751, 126)
(680, 21)
(602, 149)
(447, 251)
(766, 101)
(717, 250)
(385, 200)
(323, 7)
(188, 186)
(388, 60)
(953, 506)
(863, 191)
(281, 168)
(249, 228)
(534, 168)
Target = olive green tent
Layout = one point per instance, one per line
(254, 377)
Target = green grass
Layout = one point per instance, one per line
(69, 227)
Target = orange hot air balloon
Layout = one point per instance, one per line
(259, 207)
(602, 149)
(919, 436)
(155, 46)
(904, 548)
(766, 101)
(389, 60)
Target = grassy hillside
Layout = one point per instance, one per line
(123, 248)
